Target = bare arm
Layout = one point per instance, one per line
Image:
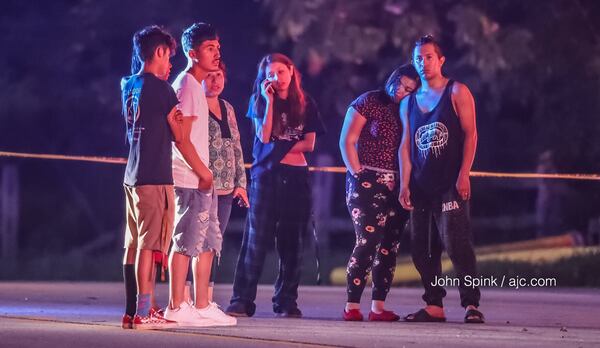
(404, 157)
(239, 182)
(190, 155)
(464, 105)
(265, 126)
(305, 145)
(175, 120)
(353, 125)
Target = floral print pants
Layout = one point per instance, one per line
(379, 220)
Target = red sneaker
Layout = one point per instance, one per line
(127, 321)
(353, 315)
(152, 321)
(383, 316)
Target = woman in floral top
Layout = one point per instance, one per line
(369, 144)
(226, 158)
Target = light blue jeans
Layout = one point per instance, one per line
(196, 222)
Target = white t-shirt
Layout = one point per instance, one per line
(192, 102)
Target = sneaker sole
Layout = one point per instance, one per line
(154, 326)
(237, 315)
(209, 324)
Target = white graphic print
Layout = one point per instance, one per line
(431, 137)
(132, 109)
(449, 206)
(289, 133)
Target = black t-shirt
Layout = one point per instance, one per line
(146, 102)
(284, 136)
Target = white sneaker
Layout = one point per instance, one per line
(213, 313)
(187, 315)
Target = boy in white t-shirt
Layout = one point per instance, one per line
(197, 235)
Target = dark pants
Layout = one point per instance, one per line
(379, 220)
(280, 208)
(438, 222)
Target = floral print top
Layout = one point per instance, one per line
(225, 150)
(380, 137)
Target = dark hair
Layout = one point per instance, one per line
(196, 34)
(296, 95)
(407, 70)
(429, 39)
(145, 42)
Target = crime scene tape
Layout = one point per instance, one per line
(120, 160)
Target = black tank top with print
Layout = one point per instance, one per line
(436, 145)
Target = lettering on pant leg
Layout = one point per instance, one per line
(448, 206)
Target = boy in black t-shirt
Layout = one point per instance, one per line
(153, 122)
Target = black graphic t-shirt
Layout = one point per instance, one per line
(436, 145)
(146, 102)
(283, 135)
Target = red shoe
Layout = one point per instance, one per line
(152, 321)
(383, 316)
(127, 322)
(353, 315)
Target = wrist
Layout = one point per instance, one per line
(357, 172)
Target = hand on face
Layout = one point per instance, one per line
(280, 75)
(267, 90)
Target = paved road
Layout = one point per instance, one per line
(88, 315)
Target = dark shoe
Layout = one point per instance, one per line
(383, 316)
(353, 315)
(473, 316)
(294, 312)
(239, 309)
(421, 316)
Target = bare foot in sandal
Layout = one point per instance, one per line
(473, 315)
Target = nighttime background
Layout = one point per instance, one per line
(533, 68)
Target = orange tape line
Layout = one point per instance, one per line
(120, 160)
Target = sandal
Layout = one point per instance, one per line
(421, 316)
(473, 316)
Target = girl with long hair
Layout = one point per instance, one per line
(286, 122)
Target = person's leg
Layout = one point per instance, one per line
(211, 246)
(178, 269)
(149, 208)
(186, 237)
(454, 222)
(201, 267)
(131, 237)
(426, 251)
(367, 214)
(144, 263)
(130, 282)
(223, 213)
(294, 204)
(385, 259)
(258, 235)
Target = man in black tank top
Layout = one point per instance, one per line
(437, 151)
